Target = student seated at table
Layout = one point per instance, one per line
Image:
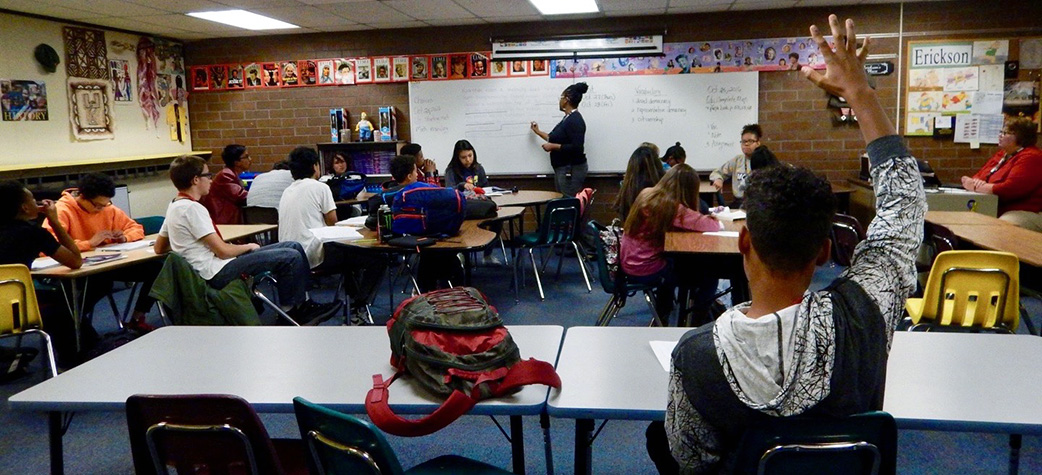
(1014, 174)
(788, 351)
(426, 169)
(189, 231)
(643, 171)
(22, 240)
(467, 175)
(669, 205)
(267, 188)
(737, 169)
(674, 155)
(88, 215)
(433, 265)
(228, 194)
(308, 204)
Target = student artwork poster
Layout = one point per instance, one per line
(345, 71)
(326, 76)
(253, 76)
(363, 70)
(200, 80)
(119, 73)
(382, 69)
(400, 69)
(420, 68)
(272, 76)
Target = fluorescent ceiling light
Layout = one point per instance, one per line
(564, 7)
(244, 19)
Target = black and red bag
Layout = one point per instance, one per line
(454, 344)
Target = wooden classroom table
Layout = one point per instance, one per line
(696, 255)
(612, 373)
(268, 366)
(1026, 244)
(230, 232)
(948, 218)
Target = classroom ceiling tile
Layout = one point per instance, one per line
(762, 5)
(328, 2)
(369, 13)
(457, 21)
(395, 25)
(105, 8)
(698, 7)
(500, 8)
(251, 4)
(304, 15)
(430, 9)
(36, 8)
(185, 6)
(188, 23)
(647, 7)
(345, 26)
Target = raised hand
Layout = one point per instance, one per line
(844, 68)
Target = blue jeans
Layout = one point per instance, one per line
(569, 186)
(286, 260)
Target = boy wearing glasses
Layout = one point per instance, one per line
(87, 214)
(738, 168)
(190, 232)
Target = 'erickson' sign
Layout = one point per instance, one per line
(940, 55)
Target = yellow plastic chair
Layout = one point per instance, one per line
(970, 290)
(19, 311)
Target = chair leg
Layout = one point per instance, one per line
(535, 270)
(582, 266)
(517, 283)
(611, 309)
(503, 247)
(48, 349)
(115, 310)
(278, 311)
(656, 319)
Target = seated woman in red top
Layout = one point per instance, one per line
(227, 194)
(1014, 174)
(670, 205)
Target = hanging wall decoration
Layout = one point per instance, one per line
(90, 112)
(345, 71)
(147, 77)
(119, 72)
(23, 100)
(85, 53)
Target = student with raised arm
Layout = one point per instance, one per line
(190, 232)
(788, 351)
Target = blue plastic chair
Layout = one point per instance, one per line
(557, 230)
(341, 444)
(618, 287)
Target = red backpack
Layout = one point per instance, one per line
(454, 344)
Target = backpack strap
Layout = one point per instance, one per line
(376, 405)
(530, 371)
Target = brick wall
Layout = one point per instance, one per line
(797, 124)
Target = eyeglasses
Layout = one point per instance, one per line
(749, 142)
(100, 205)
(205, 175)
(1005, 132)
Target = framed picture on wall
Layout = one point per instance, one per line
(325, 72)
(218, 77)
(200, 79)
(382, 69)
(439, 67)
(290, 75)
(400, 69)
(519, 67)
(253, 75)
(363, 70)
(540, 67)
(458, 66)
(499, 68)
(419, 68)
(478, 65)
(308, 71)
(271, 76)
(345, 71)
(235, 80)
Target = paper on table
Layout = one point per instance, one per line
(126, 246)
(663, 351)
(336, 233)
(722, 233)
(730, 214)
(493, 193)
(357, 221)
(44, 263)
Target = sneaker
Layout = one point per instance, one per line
(491, 261)
(313, 313)
(360, 317)
(139, 325)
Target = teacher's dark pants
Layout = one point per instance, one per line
(570, 185)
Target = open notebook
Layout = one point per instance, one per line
(336, 233)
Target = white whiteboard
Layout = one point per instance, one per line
(704, 112)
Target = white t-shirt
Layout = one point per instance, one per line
(267, 188)
(303, 206)
(187, 223)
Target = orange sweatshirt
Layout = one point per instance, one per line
(82, 225)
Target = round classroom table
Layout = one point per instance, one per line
(526, 198)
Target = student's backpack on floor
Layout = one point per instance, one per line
(428, 211)
(454, 344)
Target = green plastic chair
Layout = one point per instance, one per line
(152, 224)
(859, 444)
(341, 444)
(557, 229)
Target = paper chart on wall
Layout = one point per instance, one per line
(987, 102)
(992, 77)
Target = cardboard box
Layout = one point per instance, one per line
(388, 126)
(339, 131)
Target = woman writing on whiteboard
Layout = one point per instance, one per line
(566, 142)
